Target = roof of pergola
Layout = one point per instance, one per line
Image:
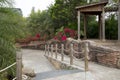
(94, 8)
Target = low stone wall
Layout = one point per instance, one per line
(104, 55)
(110, 59)
(99, 54)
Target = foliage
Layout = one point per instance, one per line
(93, 30)
(11, 27)
(64, 33)
(111, 27)
(63, 13)
(40, 22)
(6, 3)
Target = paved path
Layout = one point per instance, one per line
(98, 72)
(35, 59)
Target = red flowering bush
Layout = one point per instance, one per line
(64, 38)
(63, 35)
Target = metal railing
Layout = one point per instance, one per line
(52, 49)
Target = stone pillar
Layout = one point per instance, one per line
(85, 35)
(78, 25)
(119, 21)
(103, 25)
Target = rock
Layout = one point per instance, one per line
(118, 62)
(29, 72)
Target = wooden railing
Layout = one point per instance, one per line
(18, 64)
(50, 51)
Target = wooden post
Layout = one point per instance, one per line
(19, 66)
(71, 54)
(48, 49)
(51, 50)
(86, 56)
(103, 25)
(45, 49)
(85, 35)
(78, 25)
(56, 51)
(119, 21)
(62, 52)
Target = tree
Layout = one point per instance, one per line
(40, 22)
(111, 27)
(63, 13)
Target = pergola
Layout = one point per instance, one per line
(96, 9)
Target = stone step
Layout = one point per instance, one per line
(75, 76)
(55, 73)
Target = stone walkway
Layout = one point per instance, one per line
(98, 72)
(35, 59)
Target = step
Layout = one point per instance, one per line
(55, 73)
(74, 76)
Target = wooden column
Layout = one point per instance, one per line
(19, 66)
(78, 25)
(85, 23)
(100, 29)
(103, 25)
(119, 21)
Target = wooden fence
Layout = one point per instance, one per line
(53, 49)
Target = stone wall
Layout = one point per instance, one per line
(100, 54)
(110, 59)
(104, 55)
